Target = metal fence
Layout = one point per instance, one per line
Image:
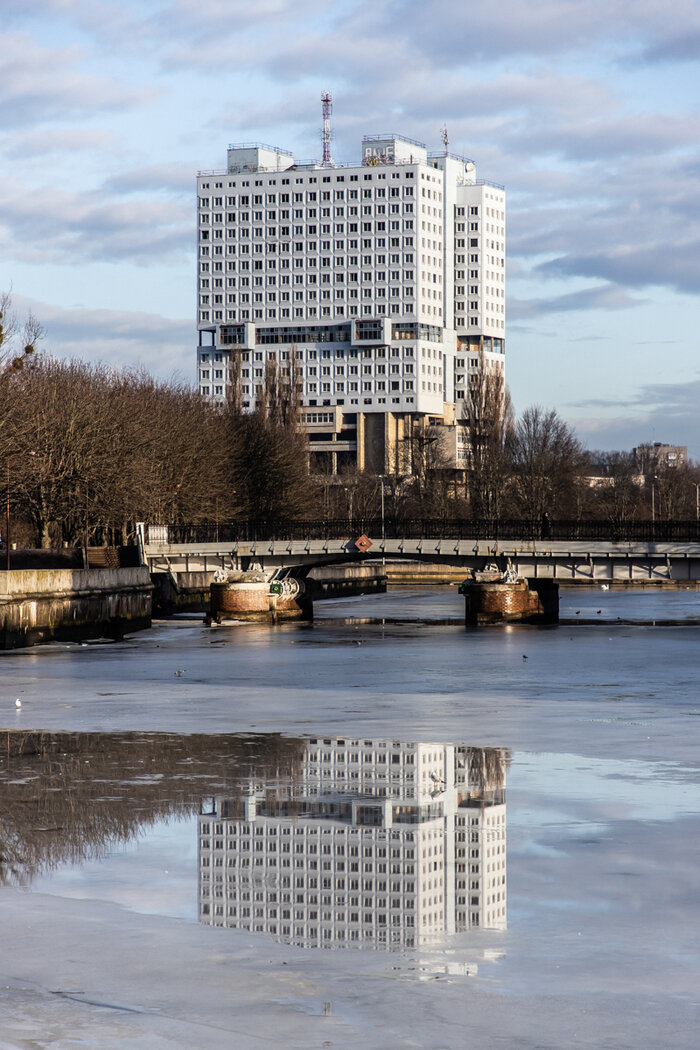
(393, 528)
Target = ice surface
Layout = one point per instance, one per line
(603, 833)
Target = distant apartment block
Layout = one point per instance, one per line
(371, 843)
(382, 284)
(658, 455)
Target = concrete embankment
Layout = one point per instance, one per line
(344, 581)
(423, 574)
(180, 592)
(38, 605)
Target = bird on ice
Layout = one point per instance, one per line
(18, 702)
(179, 674)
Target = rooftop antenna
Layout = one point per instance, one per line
(445, 137)
(327, 102)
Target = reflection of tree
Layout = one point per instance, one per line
(68, 797)
(487, 768)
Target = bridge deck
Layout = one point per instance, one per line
(576, 560)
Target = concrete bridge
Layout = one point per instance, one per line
(575, 552)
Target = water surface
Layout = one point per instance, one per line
(120, 778)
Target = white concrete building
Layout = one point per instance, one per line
(383, 284)
(377, 843)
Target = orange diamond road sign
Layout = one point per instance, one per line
(364, 543)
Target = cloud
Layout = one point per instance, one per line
(630, 227)
(50, 224)
(114, 337)
(618, 135)
(171, 34)
(40, 85)
(678, 398)
(675, 264)
(447, 33)
(173, 179)
(674, 47)
(603, 297)
(459, 33)
(656, 411)
(52, 141)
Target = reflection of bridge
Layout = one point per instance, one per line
(578, 551)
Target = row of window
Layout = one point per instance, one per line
(287, 197)
(309, 215)
(270, 248)
(207, 317)
(270, 280)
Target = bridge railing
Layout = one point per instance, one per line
(393, 528)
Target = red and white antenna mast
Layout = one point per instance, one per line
(327, 101)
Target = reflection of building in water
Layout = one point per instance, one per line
(379, 842)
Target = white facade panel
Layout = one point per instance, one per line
(407, 242)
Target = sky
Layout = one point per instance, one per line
(584, 109)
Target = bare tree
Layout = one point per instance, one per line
(675, 494)
(488, 417)
(268, 457)
(431, 471)
(617, 492)
(95, 447)
(18, 340)
(549, 463)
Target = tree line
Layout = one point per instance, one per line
(87, 451)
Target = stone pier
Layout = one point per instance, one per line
(515, 601)
(250, 595)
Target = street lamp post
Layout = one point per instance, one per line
(653, 506)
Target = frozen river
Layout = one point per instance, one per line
(491, 837)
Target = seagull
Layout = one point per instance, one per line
(179, 674)
(605, 586)
(18, 702)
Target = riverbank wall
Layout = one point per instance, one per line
(423, 574)
(39, 605)
(433, 574)
(345, 581)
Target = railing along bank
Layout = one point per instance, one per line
(395, 528)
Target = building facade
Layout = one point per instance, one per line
(381, 286)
